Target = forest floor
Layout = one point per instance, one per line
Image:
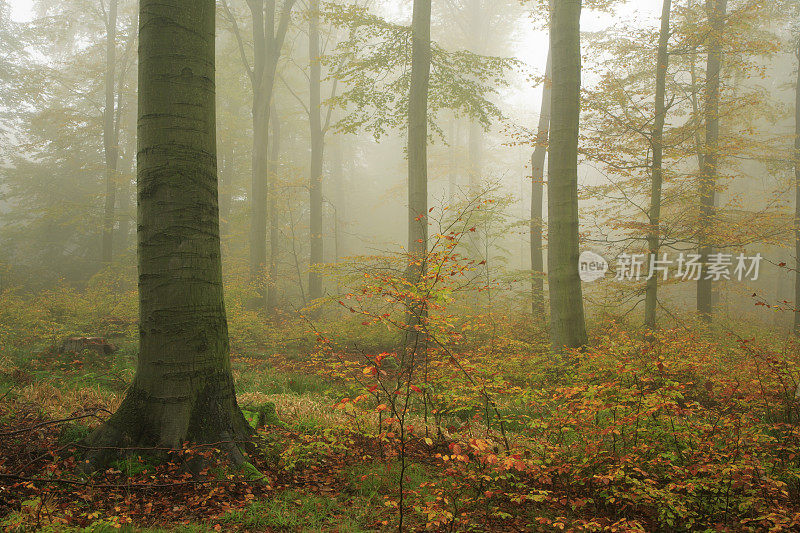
(691, 430)
(315, 471)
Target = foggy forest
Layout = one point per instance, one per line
(386, 265)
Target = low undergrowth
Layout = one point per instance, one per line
(687, 429)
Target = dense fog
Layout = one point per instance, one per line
(545, 248)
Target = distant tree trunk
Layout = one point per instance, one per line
(261, 109)
(452, 177)
(708, 175)
(475, 147)
(340, 197)
(274, 233)
(537, 195)
(418, 150)
(317, 154)
(478, 29)
(698, 136)
(125, 208)
(478, 26)
(110, 133)
(267, 43)
(475, 158)
(225, 192)
(125, 214)
(797, 199)
(654, 236)
(567, 327)
(183, 388)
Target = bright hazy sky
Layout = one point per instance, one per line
(21, 9)
(531, 50)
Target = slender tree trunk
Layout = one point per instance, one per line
(797, 200)
(274, 233)
(452, 177)
(537, 194)
(317, 154)
(418, 158)
(478, 29)
(708, 175)
(110, 133)
(340, 195)
(258, 185)
(124, 214)
(418, 138)
(654, 236)
(567, 326)
(183, 389)
(475, 146)
(698, 136)
(125, 210)
(475, 157)
(225, 192)
(340, 209)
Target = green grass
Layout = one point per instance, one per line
(260, 415)
(72, 432)
(86, 369)
(378, 479)
(289, 510)
(269, 381)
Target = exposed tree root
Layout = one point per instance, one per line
(212, 417)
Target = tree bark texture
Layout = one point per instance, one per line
(537, 195)
(110, 133)
(183, 388)
(657, 171)
(317, 154)
(567, 327)
(716, 10)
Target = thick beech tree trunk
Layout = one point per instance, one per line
(657, 173)
(317, 153)
(567, 327)
(537, 195)
(183, 389)
(797, 200)
(708, 175)
(110, 133)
